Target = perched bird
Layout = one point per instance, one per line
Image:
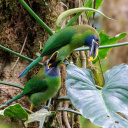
(65, 41)
(42, 86)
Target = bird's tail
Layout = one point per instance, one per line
(15, 98)
(30, 66)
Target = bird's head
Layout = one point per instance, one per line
(93, 43)
(51, 66)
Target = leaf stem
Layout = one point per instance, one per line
(36, 17)
(12, 84)
(69, 110)
(43, 120)
(101, 70)
(97, 78)
(27, 110)
(64, 98)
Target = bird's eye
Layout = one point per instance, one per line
(97, 40)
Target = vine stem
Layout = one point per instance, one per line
(94, 13)
(36, 17)
(17, 54)
(12, 84)
(104, 46)
(78, 49)
(68, 110)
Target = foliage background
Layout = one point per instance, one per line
(16, 25)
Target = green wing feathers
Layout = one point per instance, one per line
(64, 37)
(35, 85)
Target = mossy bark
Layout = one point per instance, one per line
(18, 27)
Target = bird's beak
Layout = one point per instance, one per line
(93, 50)
(52, 61)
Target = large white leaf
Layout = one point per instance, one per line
(100, 106)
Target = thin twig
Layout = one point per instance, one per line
(3, 65)
(82, 54)
(20, 53)
(94, 5)
(65, 116)
(101, 70)
(6, 93)
(23, 123)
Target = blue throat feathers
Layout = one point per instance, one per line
(52, 72)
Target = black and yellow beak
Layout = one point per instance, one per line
(93, 50)
(52, 62)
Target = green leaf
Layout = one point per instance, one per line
(100, 106)
(89, 4)
(69, 12)
(107, 40)
(14, 111)
(38, 116)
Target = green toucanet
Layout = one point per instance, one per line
(65, 41)
(42, 86)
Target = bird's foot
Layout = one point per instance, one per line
(46, 107)
(66, 61)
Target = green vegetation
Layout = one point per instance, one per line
(103, 106)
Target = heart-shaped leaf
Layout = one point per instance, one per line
(14, 111)
(100, 106)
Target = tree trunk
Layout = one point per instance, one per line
(20, 32)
